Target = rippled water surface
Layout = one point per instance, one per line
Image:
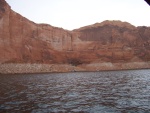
(89, 92)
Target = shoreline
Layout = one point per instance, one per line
(11, 74)
(17, 68)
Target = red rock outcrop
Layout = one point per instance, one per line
(23, 41)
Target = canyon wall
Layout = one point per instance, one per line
(23, 41)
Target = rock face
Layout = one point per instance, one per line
(23, 41)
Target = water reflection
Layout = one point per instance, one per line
(91, 92)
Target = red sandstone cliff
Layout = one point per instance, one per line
(23, 41)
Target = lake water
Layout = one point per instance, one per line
(84, 92)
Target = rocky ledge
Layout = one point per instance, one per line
(13, 68)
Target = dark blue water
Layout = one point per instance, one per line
(89, 92)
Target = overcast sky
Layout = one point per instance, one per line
(71, 14)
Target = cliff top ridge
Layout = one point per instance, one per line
(108, 22)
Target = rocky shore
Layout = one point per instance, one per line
(47, 68)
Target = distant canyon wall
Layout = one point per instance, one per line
(23, 41)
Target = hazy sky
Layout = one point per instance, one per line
(71, 14)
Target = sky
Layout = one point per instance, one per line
(72, 14)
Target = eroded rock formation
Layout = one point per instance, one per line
(23, 41)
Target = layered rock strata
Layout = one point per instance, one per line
(25, 42)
